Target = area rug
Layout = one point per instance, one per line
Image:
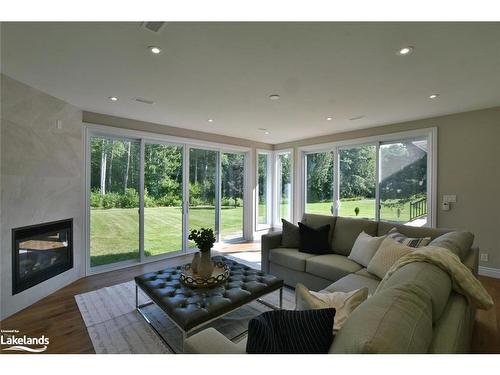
(115, 327)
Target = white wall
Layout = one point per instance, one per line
(41, 179)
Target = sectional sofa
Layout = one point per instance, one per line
(417, 311)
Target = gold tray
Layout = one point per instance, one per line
(220, 274)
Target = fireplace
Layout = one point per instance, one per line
(40, 252)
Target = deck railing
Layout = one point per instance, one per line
(418, 208)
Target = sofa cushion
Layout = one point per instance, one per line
(316, 221)
(347, 230)
(352, 282)
(396, 320)
(457, 242)
(387, 254)
(331, 266)
(384, 227)
(290, 258)
(364, 272)
(364, 248)
(430, 278)
(290, 234)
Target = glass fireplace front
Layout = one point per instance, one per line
(41, 252)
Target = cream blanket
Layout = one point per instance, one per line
(462, 278)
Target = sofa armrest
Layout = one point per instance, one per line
(269, 241)
(472, 260)
(211, 341)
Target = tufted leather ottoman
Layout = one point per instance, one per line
(191, 308)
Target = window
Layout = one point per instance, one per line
(403, 181)
(319, 183)
(388, 178)
(357, 182)
(284, 186)
(264, 190)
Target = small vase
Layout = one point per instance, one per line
(206, 265)
(195, 264)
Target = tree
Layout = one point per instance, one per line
(357, 172)
(319, 177)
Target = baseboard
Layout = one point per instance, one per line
(490, 272)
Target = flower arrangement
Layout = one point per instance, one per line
(204, 238)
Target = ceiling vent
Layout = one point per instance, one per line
(154, 27)
(144, 101)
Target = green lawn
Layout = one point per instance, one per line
(366, 210)
(115, 232)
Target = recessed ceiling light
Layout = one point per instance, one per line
(329, 118)
(210, 120)
(266, 132)
(274, 97)
(154, 50)
(113, 98)
(405, 51)
(357, 118)
(433, 96)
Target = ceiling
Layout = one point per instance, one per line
(226, 72)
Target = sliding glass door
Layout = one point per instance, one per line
(403, 181)
(163, 197)
(145, 196)
(203, 189)
(232, 186)
(114, 200)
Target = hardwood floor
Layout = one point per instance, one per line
(57, 316)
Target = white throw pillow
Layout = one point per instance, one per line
(364, 248)
(387, 254)
(343, 303)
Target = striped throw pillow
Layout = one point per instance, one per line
(289, 331)
(408, 241)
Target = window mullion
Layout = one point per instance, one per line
(141, 202)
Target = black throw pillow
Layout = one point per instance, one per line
(314, 241)
(289, 331)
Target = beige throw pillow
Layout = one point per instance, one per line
(364, 248)
(387, 254)
(343, 303)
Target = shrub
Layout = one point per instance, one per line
(129, 200)
(169, 201)
(231, 202)
(193, 201)
(110, 200)
(95, 199)
(149, 201)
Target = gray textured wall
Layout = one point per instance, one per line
(41, 174)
